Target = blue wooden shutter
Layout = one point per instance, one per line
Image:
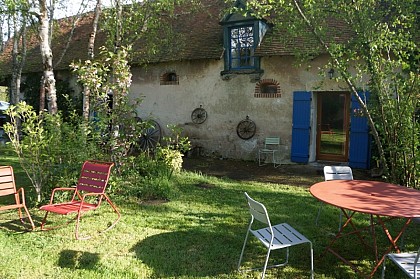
(301, 126)
(359, 149)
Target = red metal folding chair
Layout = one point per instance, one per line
(87, 195)
(7, 188)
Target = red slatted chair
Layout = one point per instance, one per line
(92, 183)
(7, 188)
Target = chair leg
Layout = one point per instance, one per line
(274, 161)
(44, 221)
(79, 215)
(76, 233)
(243, 249)
(383, 269)
(319, 213)
(265, 264)
(340, 221)
(312, 260)
(259, 160)
(29, 217)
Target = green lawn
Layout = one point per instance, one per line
(198, 234)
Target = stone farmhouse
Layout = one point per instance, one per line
(232, 83)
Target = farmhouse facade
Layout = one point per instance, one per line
(231, 81)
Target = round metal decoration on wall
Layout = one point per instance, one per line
(246, 128)
(199, 115)
(151, 136)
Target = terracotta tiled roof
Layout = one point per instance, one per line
(201, 38)
(198, 34)
(76, 50)
(280, 42)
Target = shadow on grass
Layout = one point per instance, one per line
(16, 225)
(78, 260)
(189, 253)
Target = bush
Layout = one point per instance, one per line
(156, 188)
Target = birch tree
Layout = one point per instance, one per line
(15, 13)
(48, 78)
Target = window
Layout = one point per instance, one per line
(242, 46)
(242, 33)
(169, 78)
(267, 88)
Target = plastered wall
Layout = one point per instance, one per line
(227, 102)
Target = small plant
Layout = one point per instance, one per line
(156, 188)
(171, 154)
(49, 150)
(30, 141)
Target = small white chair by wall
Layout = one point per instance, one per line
(281, 236)
(271, 147)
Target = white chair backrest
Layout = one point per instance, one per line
(272, 141)
(338, 173)
(258, 210)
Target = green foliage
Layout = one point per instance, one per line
(144, 177)
(30, 142)
(169, 155)
(170, 158)
(68, 101)
(149, 22)
(148, 174)
(156, 188)
(109, 80)
(176, 141)
(198, 234)
(372, 45)
(50, 150)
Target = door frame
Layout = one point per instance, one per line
(346, 127)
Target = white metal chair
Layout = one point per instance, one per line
(335, 173)
(281, 236)
(271, 147)
(408, 262)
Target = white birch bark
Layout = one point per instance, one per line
(18, 56)
(47, 58)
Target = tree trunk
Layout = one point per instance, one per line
(1, 32)
(41, 95)
(47, 57)
(91, 55)
(350, 84)
(18, 58)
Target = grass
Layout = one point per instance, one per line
(198, 234)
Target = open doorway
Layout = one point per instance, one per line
(332, 137)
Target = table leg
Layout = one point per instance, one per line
(357, 231)
(340, 234)
(373, 231)
(393, 241)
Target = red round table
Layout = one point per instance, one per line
(371, 197)
(375, 198)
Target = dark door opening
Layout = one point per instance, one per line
(332, 140)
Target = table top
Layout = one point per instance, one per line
(371, 197)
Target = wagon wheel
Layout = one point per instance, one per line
(246, 128)
(199, 115)
(151, 136)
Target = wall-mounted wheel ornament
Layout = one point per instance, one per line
(246, 128)
(151, 136)
(199, 115)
